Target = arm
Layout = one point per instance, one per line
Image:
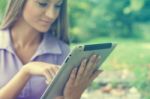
(13, 88)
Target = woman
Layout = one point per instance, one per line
(33, 43)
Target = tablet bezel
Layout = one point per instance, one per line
(55, 88)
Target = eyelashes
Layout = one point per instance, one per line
(45, 5)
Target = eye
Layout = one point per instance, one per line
(43, 4)
(58, 6)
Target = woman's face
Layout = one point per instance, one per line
(40, 14)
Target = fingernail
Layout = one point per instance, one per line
(75, 69)
(46, 82)
(99, 72)
(58, 66)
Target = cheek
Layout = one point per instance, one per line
(31, 14)
(57, 14)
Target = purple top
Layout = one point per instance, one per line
(51, 50)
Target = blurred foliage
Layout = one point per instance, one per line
(128, 57)
(2, 8)
(111, 18)
(108, 18)
(116, 19)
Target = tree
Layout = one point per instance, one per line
(113, 18)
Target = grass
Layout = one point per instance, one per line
(130, 54)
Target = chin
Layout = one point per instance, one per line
(42, 29)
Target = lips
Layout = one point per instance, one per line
(46, 22)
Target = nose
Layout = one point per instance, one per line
(51, 13)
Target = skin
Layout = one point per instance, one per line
(80, 79)
(36, 23)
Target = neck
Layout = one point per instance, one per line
(24, 35)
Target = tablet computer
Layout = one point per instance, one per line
(72, 60)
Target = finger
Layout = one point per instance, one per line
(81, 70)
(47, 82)
(51, 73)
(59, 97)
(48, 76)
(94, 65)
(72, 78)
(90, 65)
(54, 71)
(95, 75)
(57, 66)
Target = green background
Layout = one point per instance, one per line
(126, 22)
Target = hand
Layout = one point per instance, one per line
(80, 80)
(59, 97)
(41, 69)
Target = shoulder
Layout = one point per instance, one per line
(64, 47)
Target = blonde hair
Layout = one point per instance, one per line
(59, 28)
